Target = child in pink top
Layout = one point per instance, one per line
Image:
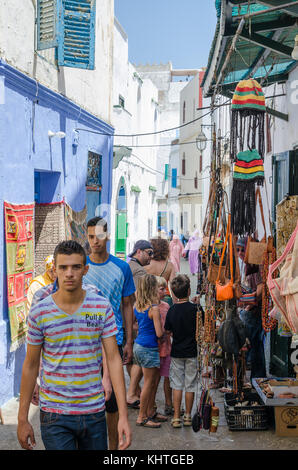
(164, 346)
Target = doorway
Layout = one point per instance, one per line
(93, 184)
(121, 221)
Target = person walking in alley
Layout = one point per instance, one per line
(48, 277)
(192, 248)
(113, 277)
(161, 265)
(69, 328)
(146, 348)
(164, 346)
(181, 322)
(139, 257)
(176, 250)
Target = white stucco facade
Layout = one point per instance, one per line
(91, 89)
(135, 111)
(191, 170)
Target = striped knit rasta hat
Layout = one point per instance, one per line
(248, 170)
(249, 167)
(249, 95)
(248, 118)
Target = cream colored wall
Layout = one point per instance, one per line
(91, 89)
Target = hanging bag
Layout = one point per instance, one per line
(213, 269)
(284, 289)
(226, 291)
(255, 250)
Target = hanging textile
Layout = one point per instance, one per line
(19, 238)
(248, 170)
(248, 118)
(76, 225)
(49, 231)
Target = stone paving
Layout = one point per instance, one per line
(164, 438)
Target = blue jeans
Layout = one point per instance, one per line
(73, 432)
(252, 320)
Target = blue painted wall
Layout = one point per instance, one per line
(27, 113)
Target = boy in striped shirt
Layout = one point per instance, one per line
(69, 328)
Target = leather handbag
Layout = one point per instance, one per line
(284, 289)
(226, 291)
(255, 249)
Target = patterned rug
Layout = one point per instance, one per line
(19, 237)
(49, 231)
(76, 225)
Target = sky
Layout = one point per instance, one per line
(161, 31)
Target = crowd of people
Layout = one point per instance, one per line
(89, 315)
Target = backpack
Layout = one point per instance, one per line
(231, 334)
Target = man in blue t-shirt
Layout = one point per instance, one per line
(113, 277)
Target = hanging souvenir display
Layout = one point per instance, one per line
(248, 170)
(248, 118)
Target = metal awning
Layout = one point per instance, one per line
(263, 44)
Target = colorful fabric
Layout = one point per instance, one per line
(19, 236)
(70, 376)
(249, 95)
(248, 166)
(114, 279)
(75, 225)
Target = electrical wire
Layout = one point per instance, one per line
(156, 132)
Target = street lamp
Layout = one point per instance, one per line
(201, 141)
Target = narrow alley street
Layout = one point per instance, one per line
(165, 438)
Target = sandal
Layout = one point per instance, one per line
(135, 405)
(147, 423)
(176, 423)
(187, 421)
(159, 418)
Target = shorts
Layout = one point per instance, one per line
(165, 363)
(183, 374)
(111, 404)
(146, 357)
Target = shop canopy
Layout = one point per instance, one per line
(259, 46)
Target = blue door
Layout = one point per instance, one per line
(93, 184)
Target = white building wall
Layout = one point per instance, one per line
(139, 115)
(92, 89)
(190, 199)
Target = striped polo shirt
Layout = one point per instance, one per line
(70, 377)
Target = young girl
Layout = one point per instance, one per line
(145, 349)
(164, 346)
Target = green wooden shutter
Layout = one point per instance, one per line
(76, 34)
(47, 14)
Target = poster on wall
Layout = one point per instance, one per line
(19, 238)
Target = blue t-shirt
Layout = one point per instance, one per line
(114, 279)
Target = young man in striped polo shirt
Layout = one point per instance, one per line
(69, 328)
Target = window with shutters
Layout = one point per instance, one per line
(196, 181)
(69, 26)
(183, 165)
(174, 178)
